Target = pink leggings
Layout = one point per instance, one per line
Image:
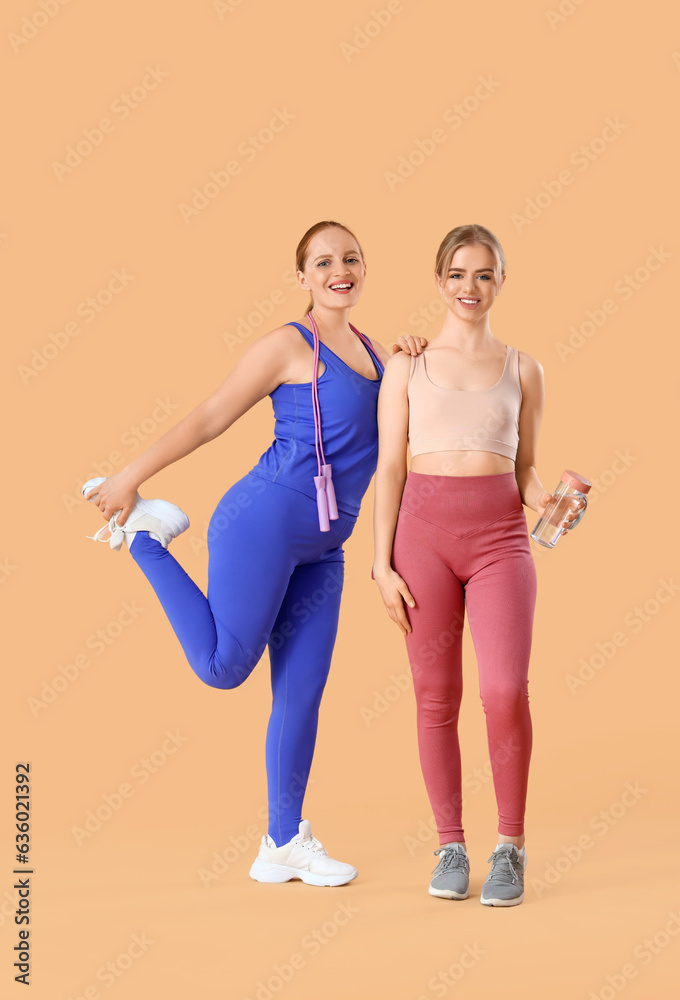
(462, 541)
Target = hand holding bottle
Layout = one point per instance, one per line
(562, 510)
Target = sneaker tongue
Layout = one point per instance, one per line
(305, 829)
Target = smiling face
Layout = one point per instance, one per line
(468, 285)
(334, 269)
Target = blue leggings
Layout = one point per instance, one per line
(274, 579)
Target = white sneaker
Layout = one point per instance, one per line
(162, 519)
(105, 533)
(302, 857)
(90, 484)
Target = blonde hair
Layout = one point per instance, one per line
(468, 235)
(303, 246)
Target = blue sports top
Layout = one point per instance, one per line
(349, 428)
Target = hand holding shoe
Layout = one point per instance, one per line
(117, 493)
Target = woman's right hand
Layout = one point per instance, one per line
(394, 592)
(115, 493)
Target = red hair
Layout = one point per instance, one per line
(303, 246)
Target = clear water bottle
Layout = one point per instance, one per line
(571, 487)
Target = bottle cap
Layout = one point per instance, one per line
(576, 481)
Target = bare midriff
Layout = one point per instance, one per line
(461, 463)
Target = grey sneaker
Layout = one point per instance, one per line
(504, 885)
(451, 876)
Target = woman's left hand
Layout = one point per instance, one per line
(409, 345)
(577, 506)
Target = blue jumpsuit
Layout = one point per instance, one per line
(274, 578)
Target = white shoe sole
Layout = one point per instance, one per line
(501, 902)
(447, 893)
(265, 871)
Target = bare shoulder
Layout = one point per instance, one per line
(397, 369)
(399, 361)
(285, 335)
(281, 342)
(530, 369)
(273, 356)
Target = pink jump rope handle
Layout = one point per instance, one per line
(322, 502)
(330, 493)
(325, 491)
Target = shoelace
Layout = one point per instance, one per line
(502, 865)
(312, 844)
(109, 532)
(449, 859)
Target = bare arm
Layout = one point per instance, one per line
(259, 370)
(531, 414)
(389, 485)
(534, 494)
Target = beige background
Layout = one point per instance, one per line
(168, 333)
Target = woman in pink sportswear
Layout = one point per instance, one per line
(451, 534)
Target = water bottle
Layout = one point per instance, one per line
(571, 487)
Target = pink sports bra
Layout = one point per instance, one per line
(464, 420)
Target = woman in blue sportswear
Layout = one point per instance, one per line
(276, 577)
